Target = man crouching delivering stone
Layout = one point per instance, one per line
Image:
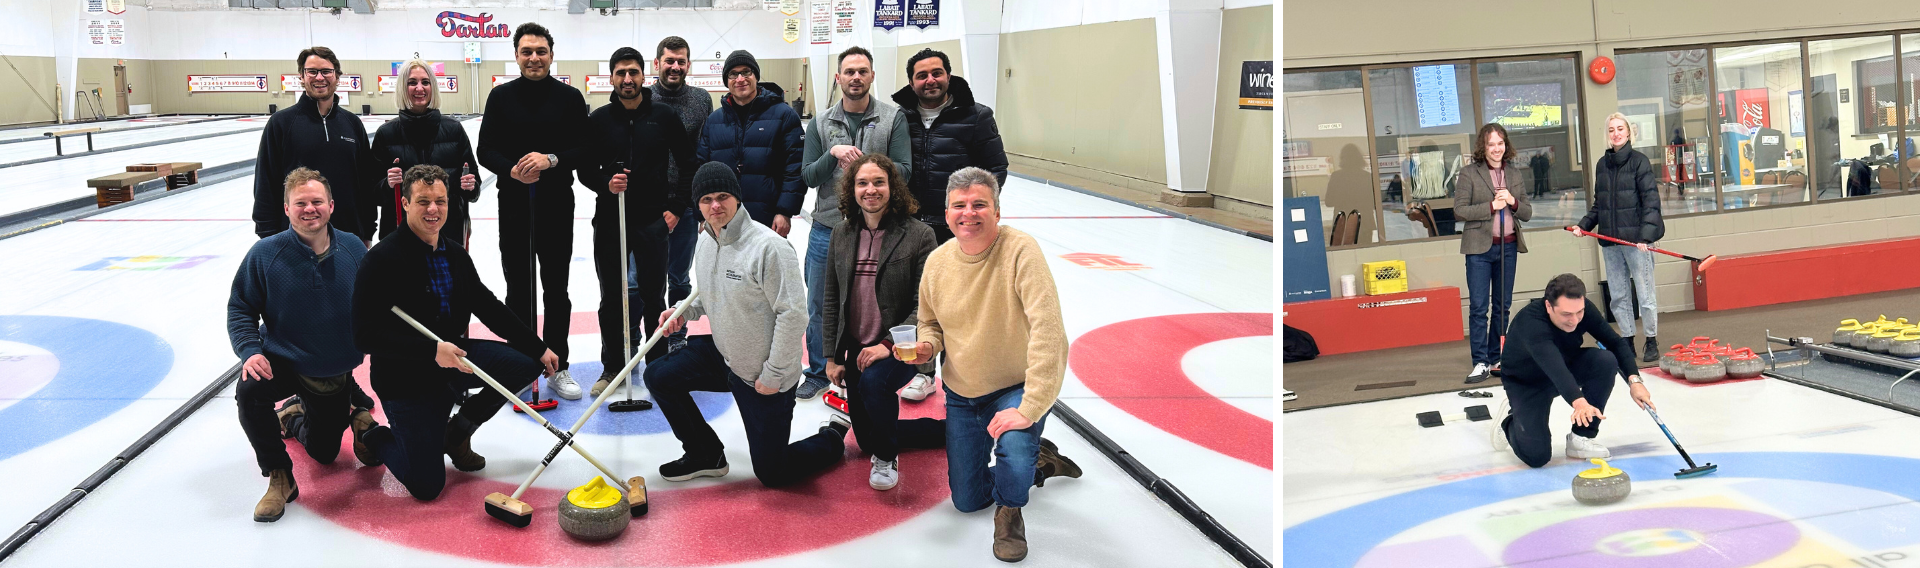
(1544, 358)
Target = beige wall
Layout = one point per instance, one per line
(98, 74)
(28, 92)
(1333, 34)
(950, 47)
(1242, 167)
(1084, 95)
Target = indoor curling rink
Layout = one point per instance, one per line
(110, 323)
(1806, 479)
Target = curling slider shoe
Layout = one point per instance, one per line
(509, 510)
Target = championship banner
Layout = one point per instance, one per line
(820, 23)
(116, 32)
(790, 30)
(924, 13)
(790, 7)
(97, 32)
(347, 84)
(116, 7)
(889, 14)
(843, 16)
(226, 83)
(1256, 85)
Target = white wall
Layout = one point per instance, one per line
(1028, 15)
(26, 28)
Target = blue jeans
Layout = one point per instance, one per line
(974, 485)
(415, 454)
(1481, 284)
(768, 417)
(819, 240)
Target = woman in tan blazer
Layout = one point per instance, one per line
(1490, 218)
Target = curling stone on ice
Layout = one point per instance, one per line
(1843, 335)
(1705, 369)
(1880, 341)
(1906, 345)
(595, 511)
(1669, 361)
(1743, 364)
(1602, 485)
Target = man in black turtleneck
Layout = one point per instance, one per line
(637, 135)
(316, 134)
(534, 134)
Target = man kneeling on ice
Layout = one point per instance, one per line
(1544, 357)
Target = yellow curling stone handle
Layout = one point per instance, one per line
(596, 494)
(1602, 472)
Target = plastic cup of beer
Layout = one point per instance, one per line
(906, 341)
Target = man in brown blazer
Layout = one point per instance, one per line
(1490, 217)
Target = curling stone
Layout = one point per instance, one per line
(1705, 369)
(1879, 341)
(1745, 365)
(1867, 330)
(1907, 344)
(595, 511)
(1602, 485)
(1672, 356)
(1844, 334)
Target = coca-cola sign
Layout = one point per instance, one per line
(455, 24)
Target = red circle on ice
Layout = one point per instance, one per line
(1135, 365)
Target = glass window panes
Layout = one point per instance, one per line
(1535, 100)
(1762, 140)
(1664, 95)
(1909, 166)
(1325, 145)
(1850, 146)
(1423, 127)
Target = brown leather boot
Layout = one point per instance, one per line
(363, 421)
(1009, 535)
(1051, 464)
(460, 445)
(281, 490)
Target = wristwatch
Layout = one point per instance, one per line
(1633, 380)
(553, 160)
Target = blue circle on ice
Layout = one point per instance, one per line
(103, 367)
(608, 423)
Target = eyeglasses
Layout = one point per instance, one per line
(320, 72)
(731, 75)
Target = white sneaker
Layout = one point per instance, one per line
(918, 388)
(1580, 448)
(1480, 373)
(1498, 435)
(885, 475)
(562, 385)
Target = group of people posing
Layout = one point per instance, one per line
(904, 232)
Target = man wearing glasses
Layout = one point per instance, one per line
(757, 136)
(315, 134)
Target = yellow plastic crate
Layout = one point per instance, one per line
(1384, 277)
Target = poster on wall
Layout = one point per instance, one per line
(924, 13)
(116, 32)
(96, 6)
(843, 16)
(821, 24)
(889, 14)
(1796, 114)
(97, 32)
(456, 24)
(790, 7)
(226, 83)
(790, 30)
(599, 84)
(1256, 85)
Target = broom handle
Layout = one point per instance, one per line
(565, 438)
(1649, 247)
(626, 323)
(1669, 433)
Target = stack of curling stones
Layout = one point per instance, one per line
(1602, 485)
(1706, 360)
(1895, 338)
(595, 511)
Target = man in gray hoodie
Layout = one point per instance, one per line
(755, 304)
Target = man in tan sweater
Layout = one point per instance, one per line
(988, 301)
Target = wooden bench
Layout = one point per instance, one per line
(57, 134)
(117, 188)
(182, 174)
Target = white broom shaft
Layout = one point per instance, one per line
(626, 323)
(627, 371)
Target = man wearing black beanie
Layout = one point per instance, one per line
(757, 135)
(536, 133)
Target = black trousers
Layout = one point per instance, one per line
(874, 405)
(325, 417)
(419, 424)
(538, 221)
(1532, 398)
(647, 243)
(768, 417)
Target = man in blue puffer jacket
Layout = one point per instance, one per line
(756, 134)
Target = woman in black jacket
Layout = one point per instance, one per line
(420, 135)
(1626, 206)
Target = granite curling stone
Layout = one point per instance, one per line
(1602, 485)
(595, 511)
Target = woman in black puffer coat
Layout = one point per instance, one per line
(420, 135)
(1626, 206)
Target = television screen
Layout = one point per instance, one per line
(1524, 107)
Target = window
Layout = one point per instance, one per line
(1758, 132)
(1536, 101)
(1852, 111)
(1325, 149)
(1423, 128)
(1664, 95)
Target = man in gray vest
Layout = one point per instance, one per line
(860, 124)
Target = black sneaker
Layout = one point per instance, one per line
(689, 467)
(1652, 351)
